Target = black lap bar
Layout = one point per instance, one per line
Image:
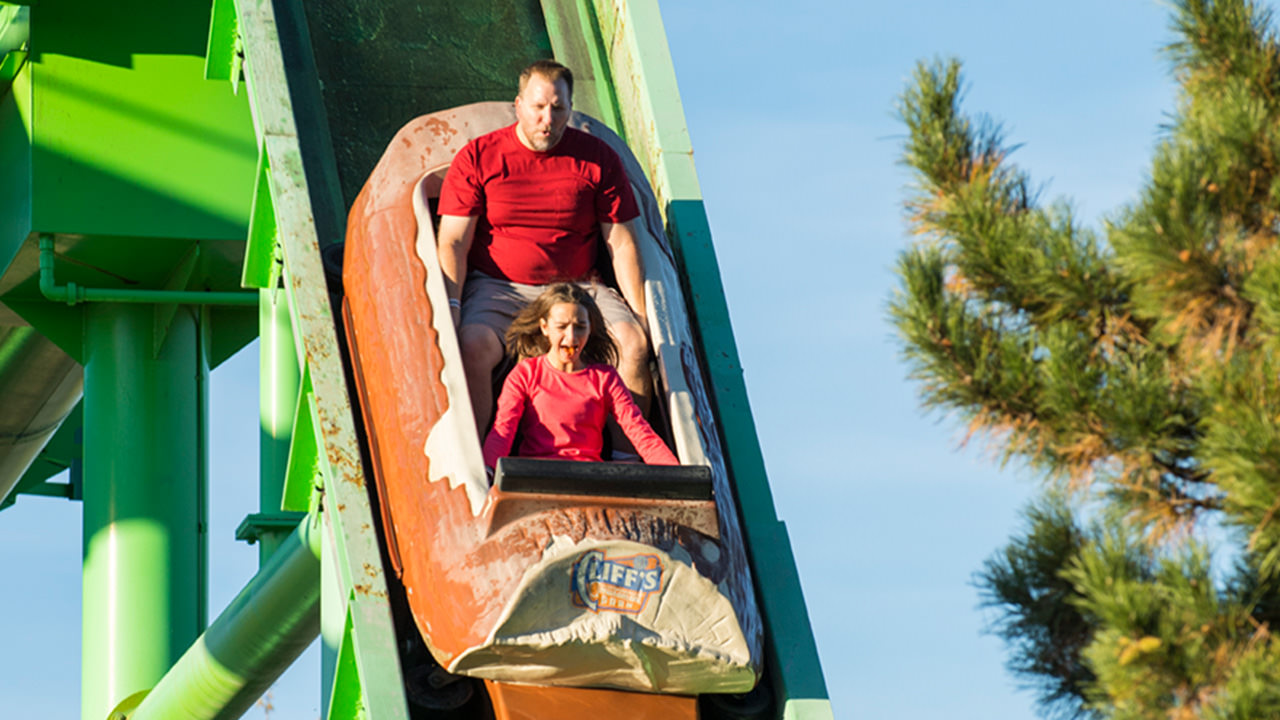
(567, 477)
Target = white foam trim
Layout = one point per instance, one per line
(668, 331)
(453, 444)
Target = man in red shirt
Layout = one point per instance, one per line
(522, 207)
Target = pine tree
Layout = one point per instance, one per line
(1135, 367)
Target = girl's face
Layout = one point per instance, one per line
(566, 327)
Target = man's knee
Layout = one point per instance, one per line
(480, 346)
(633, 346)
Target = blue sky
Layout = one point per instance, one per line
(790, 107)
(796, 145)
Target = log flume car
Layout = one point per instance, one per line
(598, 575)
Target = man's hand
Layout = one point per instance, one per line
(453, 242)
(628, 268)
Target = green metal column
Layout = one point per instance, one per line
(143, 487)
(278, 399)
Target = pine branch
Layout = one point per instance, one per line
(1146, 360)
(1030, 260)
(1037, 608)
(1224, 38)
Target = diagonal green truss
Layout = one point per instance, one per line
(293, 203)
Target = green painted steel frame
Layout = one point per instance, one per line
(146, 445)
(224, 55)
(73, 294)
(296, 205)
(637, 66)
(145, 501)
(122, 116)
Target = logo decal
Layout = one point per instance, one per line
(622, 584)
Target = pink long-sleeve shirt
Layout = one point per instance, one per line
(561, 415)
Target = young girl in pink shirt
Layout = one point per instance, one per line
(564, 388)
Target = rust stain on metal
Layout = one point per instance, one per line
(441, 129)
(338, 459)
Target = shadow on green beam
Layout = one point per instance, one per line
(233, 328)
(72, 197)
(62, 325)
(53, 489)
(69, 197)
(241, 145)
(115, 33)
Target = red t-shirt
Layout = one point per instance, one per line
(539, 212)
(561, 415)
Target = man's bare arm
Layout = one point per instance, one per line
(628, 268)
(453, 242)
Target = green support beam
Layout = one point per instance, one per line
(279, 383)
(306, 211)
(269, 624)
(224, 56)
(144, 505)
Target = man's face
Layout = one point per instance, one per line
(542, 112)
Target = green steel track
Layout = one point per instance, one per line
(186, 163)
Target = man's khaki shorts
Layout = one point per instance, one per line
(494, 303)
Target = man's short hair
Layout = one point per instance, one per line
(549, 69)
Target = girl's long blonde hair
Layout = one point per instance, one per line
(525, 338)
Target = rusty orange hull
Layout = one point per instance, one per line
(568, 590)
(529, 702)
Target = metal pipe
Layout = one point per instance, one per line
(273, 619)
(72, 294)
(40, 385)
